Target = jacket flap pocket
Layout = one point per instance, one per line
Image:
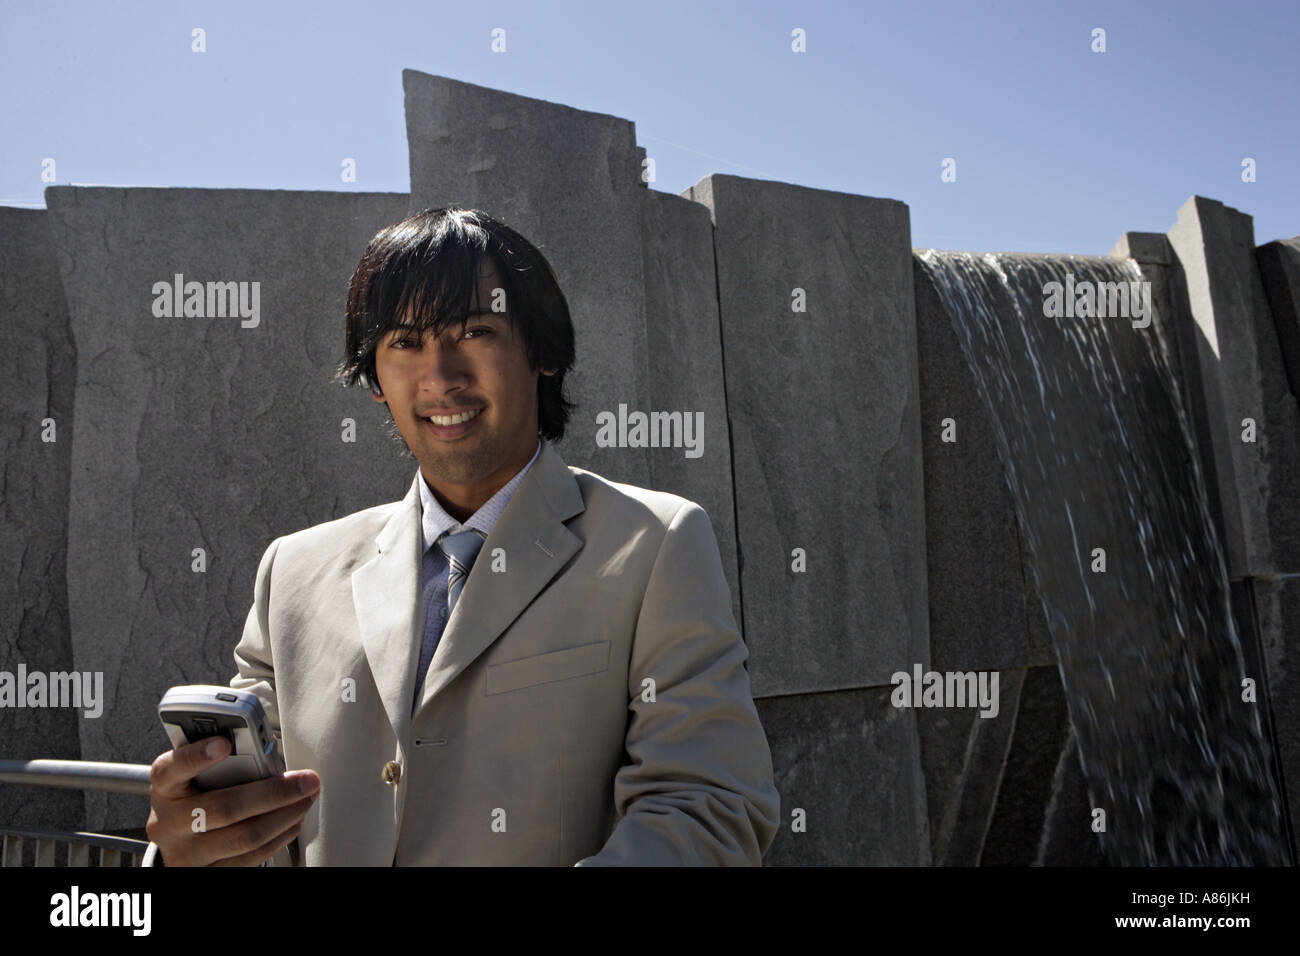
(548, 667)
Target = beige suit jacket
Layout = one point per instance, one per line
(587, 704)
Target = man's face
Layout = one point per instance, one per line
(484, 370)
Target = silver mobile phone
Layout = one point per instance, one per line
(192, 712)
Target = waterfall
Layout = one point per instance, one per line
(1098, 453)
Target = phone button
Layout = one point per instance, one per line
(392, 773)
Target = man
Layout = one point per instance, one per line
(520, 662)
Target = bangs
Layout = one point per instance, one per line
(427, 289)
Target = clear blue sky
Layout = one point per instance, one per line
(1058, 149)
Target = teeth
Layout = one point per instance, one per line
(453, 419)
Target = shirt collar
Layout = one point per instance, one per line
(436, 521)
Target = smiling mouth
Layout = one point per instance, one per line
(453, 425)
(456, 419)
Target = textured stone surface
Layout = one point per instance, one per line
(1277, 605)
(1279, 270)
(851, 761)
(36, 382)
(201, 433)
(1152, 247)
(1155, 258)
(568, 180)
(1007, 790)
(825, 431)
(964, 757)
(1244, 377)
(1277, 600)
(684, 347)
(1065, 837)
(985, 612)
(1042, 813)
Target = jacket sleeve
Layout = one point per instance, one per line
(698, 787)
(256, 668)
(253, 652)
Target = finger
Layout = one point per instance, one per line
(264, 853)
(254, 841)
(233, 805)
(171, 772)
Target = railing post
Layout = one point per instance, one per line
(13, 851)
(44, 852)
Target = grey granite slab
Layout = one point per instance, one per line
(209, 433)
(1244, 376)
(36, 382)
(686, 371)
(824, 414)
(851, 762)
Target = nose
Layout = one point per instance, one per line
(442, 368)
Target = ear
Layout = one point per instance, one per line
(375, 391)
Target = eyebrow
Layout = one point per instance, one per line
(469, 315)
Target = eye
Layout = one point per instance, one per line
(481, 328)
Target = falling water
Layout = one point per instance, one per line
(1097, 450)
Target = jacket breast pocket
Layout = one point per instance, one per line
(547, 668)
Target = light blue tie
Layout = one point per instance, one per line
(460, 551)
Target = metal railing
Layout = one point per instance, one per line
(74, 775)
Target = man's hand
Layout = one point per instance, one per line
(245, 825)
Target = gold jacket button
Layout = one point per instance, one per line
(392, 773)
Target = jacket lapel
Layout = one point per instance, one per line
(386, 592)
(534, 543)
(386, 589)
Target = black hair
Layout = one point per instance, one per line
(428, 264)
